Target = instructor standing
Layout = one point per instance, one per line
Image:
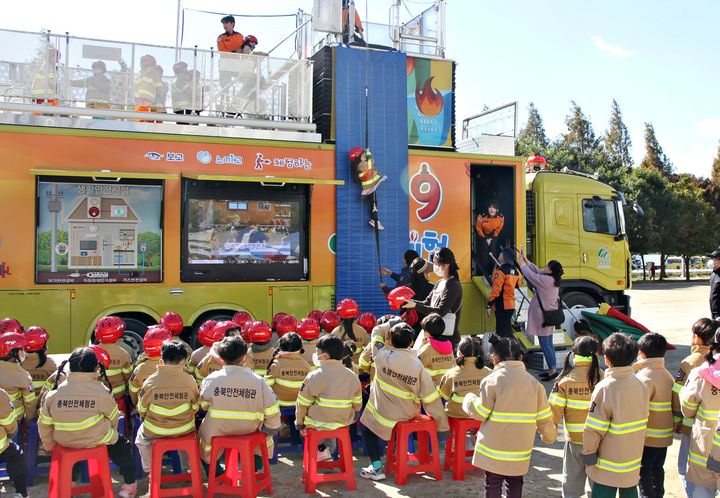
(715, 284)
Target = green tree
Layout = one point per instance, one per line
(715, 172)
(578, 149)
(532, 139)
(617, 148)
(152, 255)
(655, 157)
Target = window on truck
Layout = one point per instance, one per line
(599, 216)
(91, 231)
(244, 232)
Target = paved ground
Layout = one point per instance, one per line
(669, 308)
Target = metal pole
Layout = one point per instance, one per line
(177, 30)
(53, 229)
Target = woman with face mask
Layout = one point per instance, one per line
(446, 297)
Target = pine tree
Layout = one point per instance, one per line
(715, 173)
(532, 139)
(578, 149)
(617, 140)
(580, 135)
(655, 158)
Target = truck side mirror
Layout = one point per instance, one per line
(638, 209)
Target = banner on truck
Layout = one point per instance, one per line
(431, 102)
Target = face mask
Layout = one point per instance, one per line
(438, 270)
(316, 360)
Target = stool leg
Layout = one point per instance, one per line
(422, 447)
(266, 465)
(310, 463)
(458, 458)
(435, 454)
(345, 444)
(401, 460)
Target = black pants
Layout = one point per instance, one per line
(503, 322)
(485, 262)
(372, 445)
(121, 454)
(652, 475)
(16, 466)
(494, 482)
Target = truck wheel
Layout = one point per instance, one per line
(131, 340)
(579, 300)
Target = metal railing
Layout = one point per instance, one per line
(101, 74)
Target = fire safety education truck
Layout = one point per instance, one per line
(111, 211)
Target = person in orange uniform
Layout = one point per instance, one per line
(502, 297)
(488, 226)
(229, 41)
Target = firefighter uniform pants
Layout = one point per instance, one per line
(652, 475)
(494, 483)
(602, 491)
(121, 454)
(574, 475)
(503, 322)
(16, 467)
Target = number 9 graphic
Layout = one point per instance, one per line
(426, 189)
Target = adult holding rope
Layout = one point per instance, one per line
(546, 298)
(446, 296)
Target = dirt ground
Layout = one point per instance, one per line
(669, 308)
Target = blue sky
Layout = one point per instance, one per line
(658, 59)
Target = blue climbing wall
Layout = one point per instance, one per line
(356, 253)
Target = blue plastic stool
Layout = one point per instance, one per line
(17, 439)
(35, 465)
(171, 458)
(292, 444)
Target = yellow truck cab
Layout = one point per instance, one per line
(579, 221)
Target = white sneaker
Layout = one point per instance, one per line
(324, 455)
(128, 490)
(372, 473)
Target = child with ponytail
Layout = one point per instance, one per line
(464, 377)
(570, 400)
(287, 369)
(81, 413)
(349, 329)
(37, 363)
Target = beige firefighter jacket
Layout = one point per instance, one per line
(659, 382)
(8, 420)
(693, 360)
(140, 375)
(329, 398)
(168, 401)
(614, 433)
(81, 413)
(19, 386)
(361, 338)
(39, 375)
(512, 405)
(459, 381)
(286, 375)
(120, 368)
(435, 363)
(570, 400)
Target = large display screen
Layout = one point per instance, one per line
(98, 232)
(244, 232)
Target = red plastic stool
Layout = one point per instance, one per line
(187, 443)
(310, 477)
(242, 448)
(61, 472)
(427, 455)
(455, 452)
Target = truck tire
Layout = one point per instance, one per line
(579, 300)
(131, 340)
(218, 317)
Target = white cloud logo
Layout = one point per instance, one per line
(204, 157)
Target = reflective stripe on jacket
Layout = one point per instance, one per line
(19, 386)
(614, 434)
(330, 397)
(286, 375)
(435, 363)
(570, 400)
(657, 379)
(39, 375)
(693, 360)
(512, 405)
(8, 420)
(459, 381)
(168, 401)
(140, 375)
(120, 368)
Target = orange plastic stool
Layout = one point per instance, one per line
(242, 448)
(61, 472)
(455, 452)
(310, 477)
(427, 455)
(187, 443)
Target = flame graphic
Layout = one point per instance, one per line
(429, 101)
(410, 65)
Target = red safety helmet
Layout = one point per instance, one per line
(329, 321)
(367, 321)
(173, 322)
(251, 39)
(242, 318)
(399, 296)
(108, 330)
(36, 337)
(11, 325)
(348, 308)
(102, 356)
(222, 328)
(10, 341)
(355, 153)
(277, 318)
(308, 329)
(258, 332)
(154, 338)
(205, 333)
(315, 315)
(285, 325)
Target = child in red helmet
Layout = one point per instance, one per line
(81, 413)
(37, 363)
(168, 400)
(152, 342)
(212, 361)
(309, 331)
(10, 453)
(13, 378)
(259, 334)
(349, 329)
(174, 323)
(287, 369)
(108, 331)
(205, 338)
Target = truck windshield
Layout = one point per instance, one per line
(600, 216)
